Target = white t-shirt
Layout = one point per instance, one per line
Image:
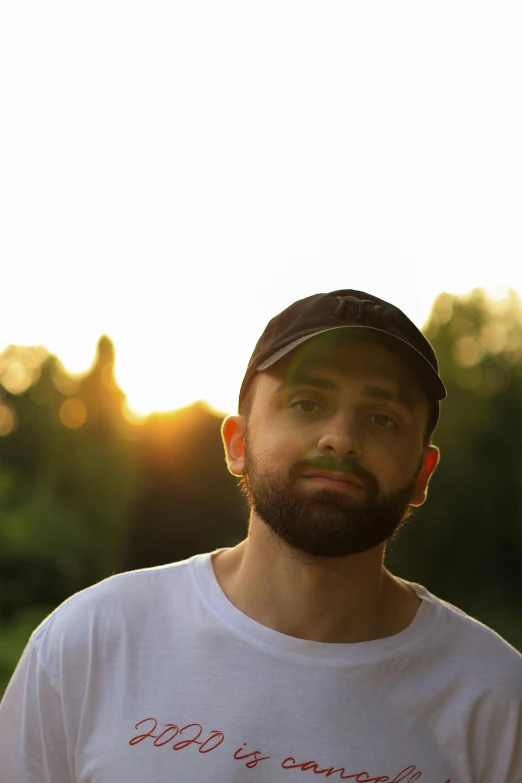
(153, 676)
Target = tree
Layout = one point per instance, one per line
(465, 543)
(68, 480)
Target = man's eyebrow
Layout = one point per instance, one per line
(381, 393)
(374, 391)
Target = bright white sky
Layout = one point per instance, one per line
(173, 174)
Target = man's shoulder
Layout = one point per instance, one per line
(476, 648)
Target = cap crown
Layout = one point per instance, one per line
(345, 308)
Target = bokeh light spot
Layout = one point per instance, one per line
(7, 420)
(494, 337)
(16, 378)
(65, 382)
(468, 351)
(73, 413)
(20, 367)
(469, 379)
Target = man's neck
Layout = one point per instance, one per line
(353, 599)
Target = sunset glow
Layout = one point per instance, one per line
(174, 178)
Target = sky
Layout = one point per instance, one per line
(173, 174)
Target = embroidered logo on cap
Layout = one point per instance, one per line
(367, 312)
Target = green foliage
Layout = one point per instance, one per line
(65, 493)
(465, 542)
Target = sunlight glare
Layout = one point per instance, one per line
(150, 220)
(160, 393)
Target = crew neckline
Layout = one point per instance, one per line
(279, 644)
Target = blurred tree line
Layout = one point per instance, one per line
(85, 493)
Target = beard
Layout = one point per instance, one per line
(326, 523)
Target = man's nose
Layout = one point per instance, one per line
(342, 437)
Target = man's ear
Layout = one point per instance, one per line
(429, 463)
(233, 435)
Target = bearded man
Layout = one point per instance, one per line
(296, 653)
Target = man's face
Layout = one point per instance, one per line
(321, 419)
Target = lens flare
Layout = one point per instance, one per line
(73, 413)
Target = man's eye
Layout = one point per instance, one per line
(384, 421)
(305, 406)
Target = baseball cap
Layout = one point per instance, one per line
(373, 318)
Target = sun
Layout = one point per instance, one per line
(159, 390)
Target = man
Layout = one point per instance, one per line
(295, 654)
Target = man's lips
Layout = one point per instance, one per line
(345, 478)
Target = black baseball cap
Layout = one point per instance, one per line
(374, 319)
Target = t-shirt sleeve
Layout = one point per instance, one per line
(33, 746)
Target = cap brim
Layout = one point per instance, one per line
(395, 343)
